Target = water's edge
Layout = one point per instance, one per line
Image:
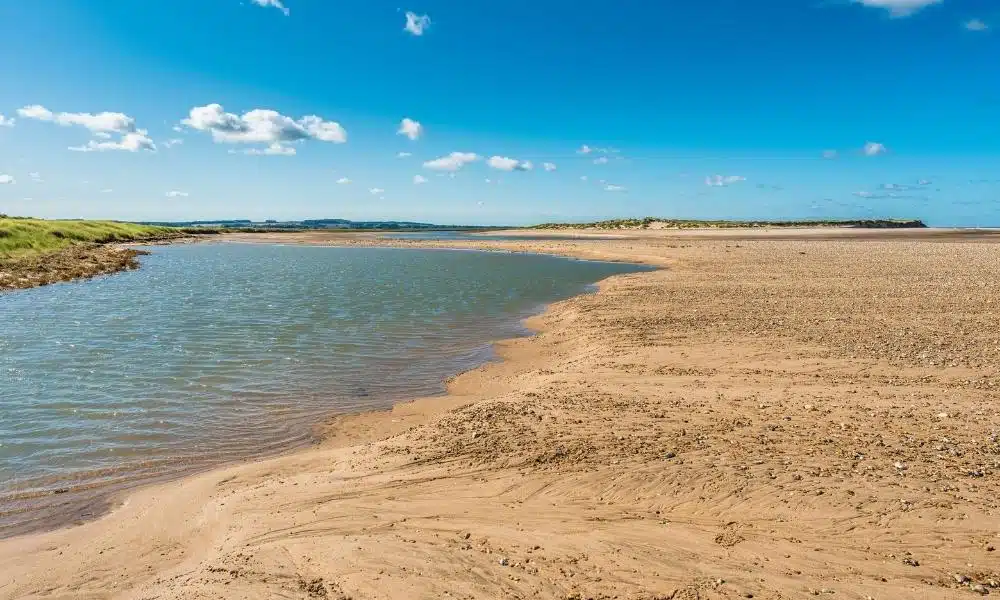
(104, 500)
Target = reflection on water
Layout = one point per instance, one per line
(215, 352)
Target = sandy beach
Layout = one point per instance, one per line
(770, 415)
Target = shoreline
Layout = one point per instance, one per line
(93, 501)
(516, 438)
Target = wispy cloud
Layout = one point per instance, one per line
(173, 142)
(375, 191)
(899, 8)
(419, 179)
(549, 166)
(976, 25)
(177, 194)
(404, 155)
(417, 24)
(36, 177)
(502, 163)
(452, 162)
(614, 188)
(603, 160)
(723, 180)
(275, 149)
(343, 181)
(274, 4)
(830, 154)
(874, 149)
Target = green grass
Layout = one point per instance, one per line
(19, 237)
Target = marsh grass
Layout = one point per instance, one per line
(20, 237)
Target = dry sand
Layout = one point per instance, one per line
(778, 418)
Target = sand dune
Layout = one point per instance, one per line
(763, 418)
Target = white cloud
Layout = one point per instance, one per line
(830, 154)
(178, 128)
(7, 180)
(273, 3)
(874, 149)
(502, 163)
(343, 181)
(262, 126)
(376, 191)
(275, 149)
(615, 188)
(585, 149)
(410, 128)
(583, 178)
(6, 122)
(723, 181)
(417, 24)
(107, 191)
(95, 122)
(452, 162)
(101, 125)
(419, 179)
(549, 166)
(172, 142)
(36, 177)
(973, 25)
(899, 8)
(601, 161)
(130, 142)
(404, 155)
(176, 194)
(864, 194)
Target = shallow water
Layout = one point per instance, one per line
(213, 352)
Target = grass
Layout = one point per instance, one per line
(692, 224)
(21, 236)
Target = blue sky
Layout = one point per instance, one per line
(188, 109)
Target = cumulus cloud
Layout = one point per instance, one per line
(502, 163)
(410, 128)
(614, 188)
(274, 4)
(419, 179)
(7, 180)
(6, 122)
(899, 8)
(261, 126)
(272, 150)
(830, 154)
(375, 191)
(130, 142)
(343, 181)
(723, 180)
(416, 24)
(874, 149)
(549, 166)
(972, 25)
(404, 155)
(452, 162)
(177, 194)
(102, 125)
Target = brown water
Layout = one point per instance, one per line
(211, 353)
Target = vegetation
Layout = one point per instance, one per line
(21, 236)
(648, 222)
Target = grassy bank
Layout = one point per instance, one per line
(660, 223)
(36, 252)
(20, 237)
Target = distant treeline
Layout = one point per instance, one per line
(661, 223)
(272, 225)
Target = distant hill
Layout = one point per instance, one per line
(658, 223)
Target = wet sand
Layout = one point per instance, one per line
(777, 416)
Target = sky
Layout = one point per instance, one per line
(512, 112)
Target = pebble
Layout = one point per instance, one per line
(504, 562)
(979, 589)
(670, 454)
(959, 578)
